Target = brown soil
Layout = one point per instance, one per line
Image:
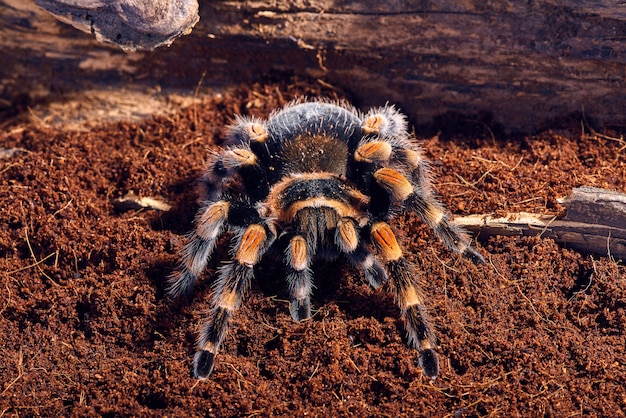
(86, 329)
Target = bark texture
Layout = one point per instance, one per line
(517, 64)
(595, 223)
(131, 24)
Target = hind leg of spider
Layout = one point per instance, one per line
(210, 223)
(391, 126)
(385, 121)
(403, 280)
(299, 278)
(232, 282)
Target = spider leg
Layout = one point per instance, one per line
(246, 130)
(211, 218)
(391, 142)
(389, 125)
(299, 278)
(231, 284)
(210, 223)
(410, 155)
(429, 210)
(347, 239)
(225, 165)
(385, 121)
(233, 280)
(409, 297)
(453, 236)
(310, 225)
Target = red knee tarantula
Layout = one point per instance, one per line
(315, 180)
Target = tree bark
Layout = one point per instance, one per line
(595, 223)
(131, 24)
(517, 64)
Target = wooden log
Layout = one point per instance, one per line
(595, 223)
(131, 24)
(518, 64)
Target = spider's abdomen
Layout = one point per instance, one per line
(313, 154)
(312, 137)
(315, 119)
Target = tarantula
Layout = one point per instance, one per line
(316, 180)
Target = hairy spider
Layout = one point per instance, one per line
(315, 180)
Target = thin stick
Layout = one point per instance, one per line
(20, 371)
(32, 265)
(37, 262)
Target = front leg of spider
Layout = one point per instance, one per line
(408, 296)
(320, 180)
(233, 280)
